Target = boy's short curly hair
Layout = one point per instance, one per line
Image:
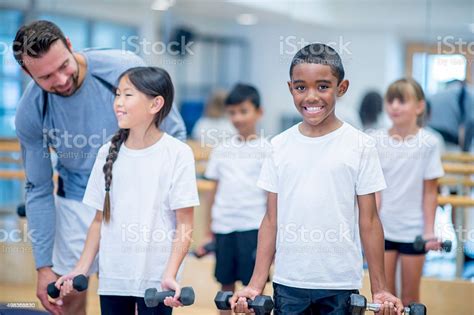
(320, 54)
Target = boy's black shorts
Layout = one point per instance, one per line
(402, 248)
(290, 300)
(235, 256)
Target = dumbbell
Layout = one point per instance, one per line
(358, 306)
(153, 297)
(261, 305)
(79, 283)
(420, 243)
(208, 248)
(21, 210)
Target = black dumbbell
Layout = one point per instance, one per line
(420, 243)
(21, 210)
(153, 297)
(208, 248)
(79, 283)
(262, 304)
(358, 306)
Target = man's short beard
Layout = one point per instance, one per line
(75, 83)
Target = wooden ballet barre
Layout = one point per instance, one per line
(9, 145)
(201, 152)
(458, 168)
(453, 181)
(456, 201)
(200, 168)
(203, 185)
(458, 157)
(12, 174)
(18, 175)
(6, 159)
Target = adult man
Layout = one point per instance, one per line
(452, 114)
(67, 107)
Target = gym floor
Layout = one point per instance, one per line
(17, 280)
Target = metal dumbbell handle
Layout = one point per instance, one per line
(374, 307)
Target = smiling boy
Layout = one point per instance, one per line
(321, 180)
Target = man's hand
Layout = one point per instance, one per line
(389, 304)
(45, 277)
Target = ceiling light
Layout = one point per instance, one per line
(247, 19)
(162, 5)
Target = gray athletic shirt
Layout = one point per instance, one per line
(76, 127)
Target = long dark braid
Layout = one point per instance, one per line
(153, 82)
(116, 143)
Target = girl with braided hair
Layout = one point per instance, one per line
(143, 186)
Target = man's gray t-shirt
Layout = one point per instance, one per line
(75, 127)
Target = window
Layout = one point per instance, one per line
(74, 28)
(110, 35)
(10, 73)
(432, 68)
(82, 32)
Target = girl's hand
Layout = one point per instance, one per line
(203, 248)
(433, 245)
(64, 284)
(170, 283)
(433, 242)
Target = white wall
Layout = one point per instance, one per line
(371, 61)
(375, 55)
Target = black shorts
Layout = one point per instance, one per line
(125, 305)
(235, 256)
(290, 300)
(402, 248)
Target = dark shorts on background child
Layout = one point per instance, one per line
(293, 301)
(402, 248)
(235, 256)
(125, 305)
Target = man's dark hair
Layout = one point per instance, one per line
(241, 93)
(35, 39)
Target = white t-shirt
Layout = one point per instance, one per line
(147, 186)
(317, 181)
(239, 205)
(405, 165)
(212, 130)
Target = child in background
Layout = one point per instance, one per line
(214, 126)
(143, 185)
(411, 163)
(239, 205)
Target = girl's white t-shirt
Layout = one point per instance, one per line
(148, 185)
(406, 164)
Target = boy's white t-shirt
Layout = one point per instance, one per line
(317, 181)
(239, 204)
(148, 185)
(406, 164)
